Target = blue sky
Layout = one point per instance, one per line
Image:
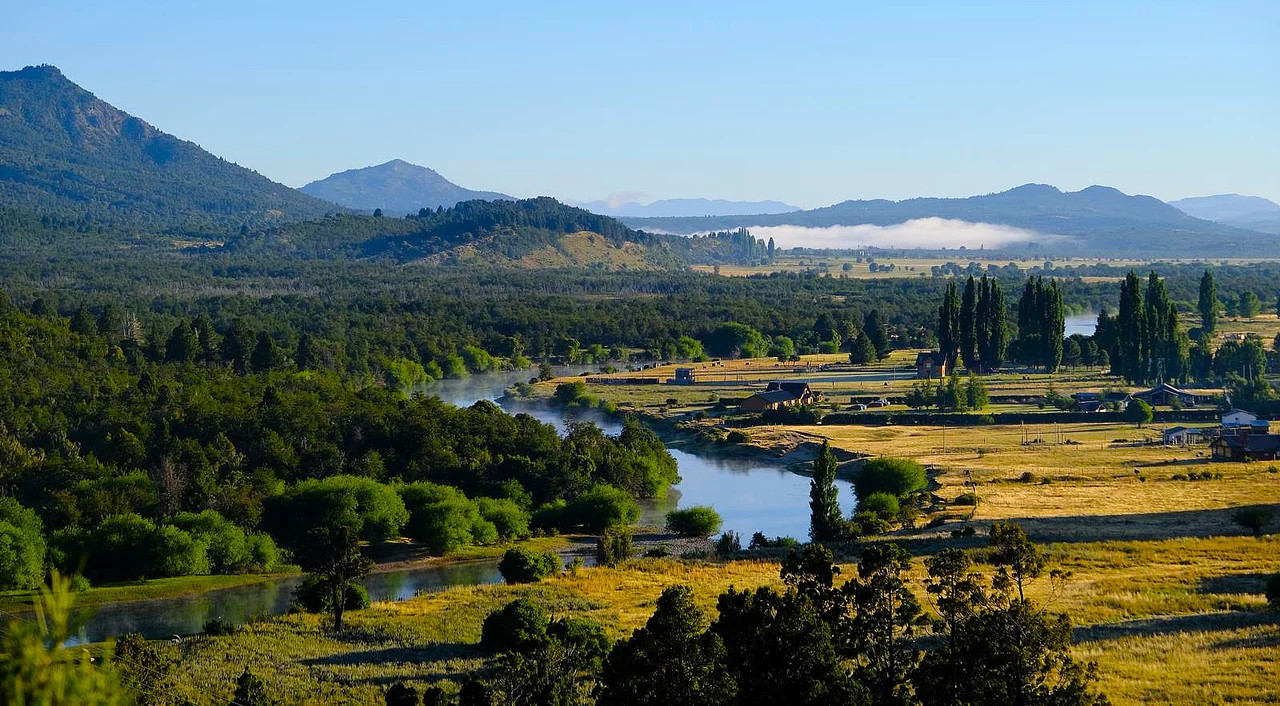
(809, 103)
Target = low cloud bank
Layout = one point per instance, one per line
(916, 233)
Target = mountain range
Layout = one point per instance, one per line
(685, 207)
(1098, 219)
(395, 187)
(64, 151)
(1252, 212)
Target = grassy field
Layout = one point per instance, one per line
(903, 266)
(1135, 603)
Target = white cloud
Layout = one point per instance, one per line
(916, 233)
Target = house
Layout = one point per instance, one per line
(1166, 394)
(1181, 436)
(770, 399)
(800, 390)
(931, 364)
(1117, 398)
(778, 395)
(1246, 447)
(1087, 396)
(1238, 417)
(684, 376)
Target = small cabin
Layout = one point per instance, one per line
(931, 364)
(1166, 394)
(772, 399)
(1246, 447)
(684, 376)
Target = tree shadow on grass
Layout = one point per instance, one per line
(1235, 584)
(1173, 625)
(438, 652)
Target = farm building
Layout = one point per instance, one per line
(931, 364)
(684, 376)
(1166, 394)
(778, 395)
(1180, 436)
(1237, 417)
(1246, 447)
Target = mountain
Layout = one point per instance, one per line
(665, 208)
(1099, 219)
(65, 152)
(1252, 212)
(395, 187)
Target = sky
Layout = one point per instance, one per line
(809, 103)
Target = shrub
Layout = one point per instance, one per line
(969, 498)
(219, 626)
(614, 546)
(443, 519)
(22, 546)
(519, 565)
(1027, 477)
(509, 520)
(884, 505)
(867, 523)
(601, 507)
(518, 625)
(1273, 591)
(699, 521)
(401, 694)
(126, 547)
(585, 638)
(1254, 519)
(738, 437)
(315, 595)
(729, 543)
(228, 545)
(896, 476)
(372, 510)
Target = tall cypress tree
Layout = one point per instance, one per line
(949, 324)
(1209, 304)
(1052, 326)
(968, 320)
(1129, 329)
(825, 521)
(998, 341)
(982, 326)
(874, 327)
(1156, 329)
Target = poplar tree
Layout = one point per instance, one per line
(1209, 304)
(825, 521)
(982, 326)
(1052, 326)
(968, 321)
(998, 334)
(949, 324)
(1130, 326)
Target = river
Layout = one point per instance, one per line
(750, 495)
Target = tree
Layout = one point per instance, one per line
(401, 694)
(1130, 358)
(1138, 412)
(22, 547)
(520, 565)
(949, 324)
(238, 345)
(698, 521)
(862, 351)
(332, 555)
(519, 625)
(82, 322)
(825, 521)
(305, 355)
(885, 615)
(875, 329)
(1208, 304)
(968, 325)
(1254, 519)
(887, 474)
(1052, 326)
(1247, 304)
(183, 345)
(668, 661)
(264, 356)
(1019, 562)
(734, 340)
(976, 393)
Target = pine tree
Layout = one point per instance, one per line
(968, 322)
(874, 327)
(825, 521)
(1209, 304)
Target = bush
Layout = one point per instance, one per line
(508, 518)
(1254, 519)
(220, 626)
(729, 543)
(967, 499)
(127, 547)
(614, 546)
(895, 476)
(519, 565)
(315, 595)
(584, 637)
(22, 547)
(230, 549)
(401, 694)
(868, 523)
(443, 519)
(372, 510)
(518, 625)
(738, 437)
(600, 507)
(700, 521)
(1273, 591)
(884, 505)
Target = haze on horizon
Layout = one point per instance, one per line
(737, 101)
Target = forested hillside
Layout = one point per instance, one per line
(396, 187)
(67, 153)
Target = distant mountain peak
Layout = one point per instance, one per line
(396, 186)
(65, 151)
(1253, 212)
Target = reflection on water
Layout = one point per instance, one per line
(1083, 324)
(750, 495)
